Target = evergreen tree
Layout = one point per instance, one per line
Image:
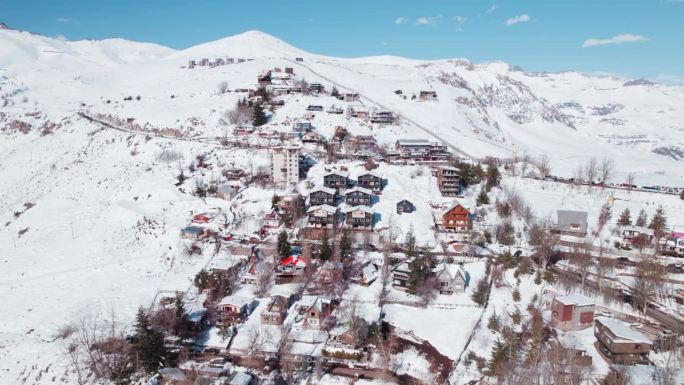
(149, 344)
(625, 218)
(516, 294)
(659, 222)
(681, 195)
(480, 294)
(516, 317)
(201, 280)
(283, 245)
(259, 116)
(538, 278)
(326, 250)
(500, 356)
(345, 246)
(334, 92)
(494, 323)
(642, 219)
(604, 215)
(482, 198)
(493, 176)
(410, 243)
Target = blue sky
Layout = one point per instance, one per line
(637, 38)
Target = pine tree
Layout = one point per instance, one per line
(625, 218)
(410, 243)
(334, 92)
(480, 294)
(149, 344)
(642, 219)
(259, 116)
(493, 176)
(201, 280)
(659, 222)
(516, 317)
(500, 356)
(482, 198)
(283, 245)
(345, 246)
(516, 294)
(326, 250)
(494, 323)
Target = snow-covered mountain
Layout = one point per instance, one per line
(91, 215)
(483, 109)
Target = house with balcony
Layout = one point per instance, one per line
(359, 217)
(323, 216)
(358, 196)
(322, 196)
(449, 181)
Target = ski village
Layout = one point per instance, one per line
(308, 229)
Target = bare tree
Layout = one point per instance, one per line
(581, 258)
(578, 175)
(591, 170)
(630, 181)
(264, 280)
(544, 164)
(606, 170)
(222, 87)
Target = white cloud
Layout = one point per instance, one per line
(518, 19)
(428, 20)
(491, 9)
(63, 20)
(619, 39)
(459, 19)
(400, 20)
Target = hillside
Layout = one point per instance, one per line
(91, 214)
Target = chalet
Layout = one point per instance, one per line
(359, 217)
(193, 233)
(363, 142)
(292, 265)
(316, 87)
(276, 311)
(300, 127)
(382, 117)
(289, 70)
(401, 274)
(367, 275)
(358, 196)
(404, 206)
(620, 343)
(572, 312)
(322, 196)
(636, 235)
(272, 219)
(451, 278)
(323, 216)
(449, 181)
(420, 150)
(335, 110)
(336, 179)
(316, 311)
(314, 107)
(427, 96)
(311, 137)
(350, 97)
(571, 223)
(457, 218)
(299, 59)
(370, 181)
(233, 310)
(233, 173)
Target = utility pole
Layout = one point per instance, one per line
(72, 230)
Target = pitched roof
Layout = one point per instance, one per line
(360, 189)
(328, 208)
(452, 270)
(340, 173)
(365, 209)
(456, 205)
(294, 260)
(327, 190)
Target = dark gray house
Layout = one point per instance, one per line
(322, 196)
(404, 206)
(571, 222)
(336, 179)
(370, 181)
(358, 196)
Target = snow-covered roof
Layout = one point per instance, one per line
(327, 190)
(224, 262)
(452, 270)
(575, 299)
(294, 260)
(238, 301)
(414, 142)
(370, 271)
(622, 331)
(567, 219)
(360, 189)
(639, 229)
(328, 208)
(365, 209)
(172, 373)
(340, 173)
(240, 378)
(369, 174)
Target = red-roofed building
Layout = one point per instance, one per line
(292, 265)
(456, 218)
